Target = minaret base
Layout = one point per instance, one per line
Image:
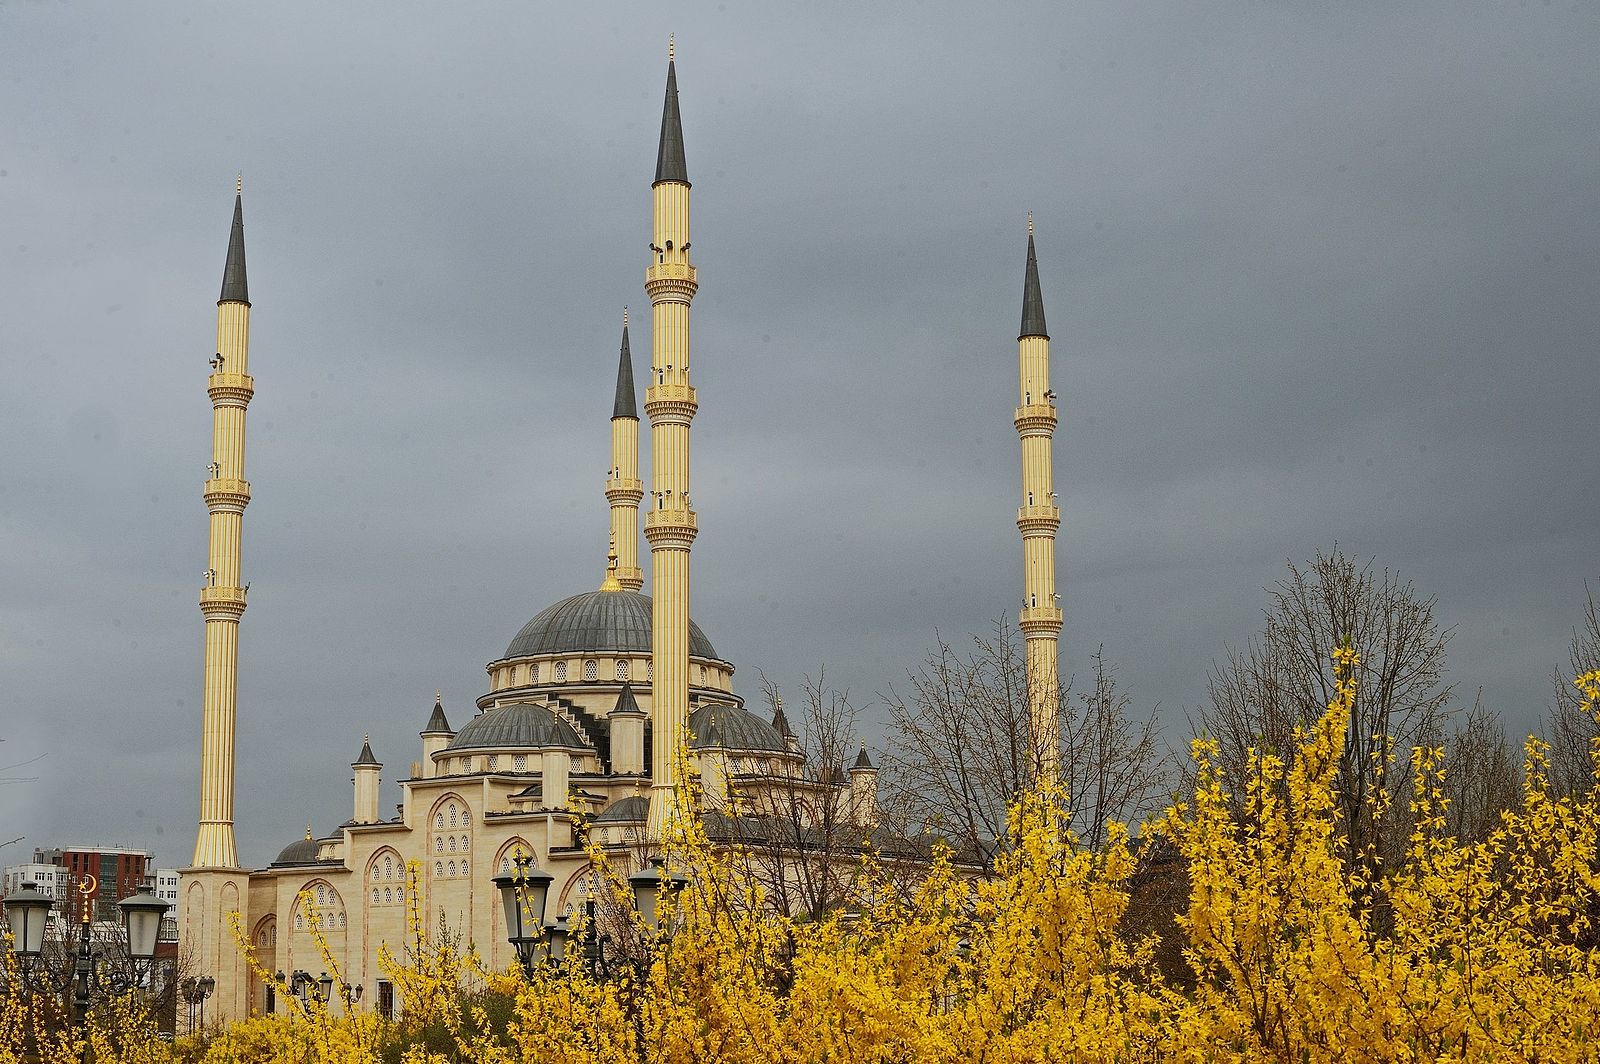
(206, 898)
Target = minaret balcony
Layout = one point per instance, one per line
(230, 389)
(670, 402)
(621, 489)
(671, 527)
(223, 603)
(1038, 519)
(1035, 419)
(226, 493)
(1045, 620)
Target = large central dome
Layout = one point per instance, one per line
(598, 622)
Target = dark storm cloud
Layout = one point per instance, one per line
(1313, 274)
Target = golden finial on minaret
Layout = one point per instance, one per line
(238, 185)
(366, 737)
(611, 583)
(671, 48)
(624, 317)
(438, 696)
(1030, 223)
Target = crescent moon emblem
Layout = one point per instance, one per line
(87, 884)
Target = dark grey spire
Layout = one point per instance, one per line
(437, 724)
(626, 703)
(1032, 301)
(862, 761)
(366, 757)
(781, 723)
(669, 156)
(234, 288)
(625, 405)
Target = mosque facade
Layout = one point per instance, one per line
(578, 734)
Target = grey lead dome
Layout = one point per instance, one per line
(598, 622)
(521, 725)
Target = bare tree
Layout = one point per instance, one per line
(961, 749)
(1284, 679)
(1483, 775)
(797, 828)
(1573, 731)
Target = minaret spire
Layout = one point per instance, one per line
(1037, 520)
(624, 489)
(222, 598)
(670, 402)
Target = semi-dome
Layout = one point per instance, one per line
(520, 725)
(598, 622)
(721, 727)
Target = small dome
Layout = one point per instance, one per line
(299, 852)
(521, 725)
(628, 811)
(598, 622)
(721, 727)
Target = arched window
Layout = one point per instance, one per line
(452, 816)
(438, 868)
(622, 668)
(388, 868)
(650, 669)
(374, 873)
(452, 867)
(374, 895)
(463, 844)
(438, 844)
(439, 821)
(561, 672)
(533, 673)
(322, 895)
(299, 922)
(452, 844)
(591, 670)
(505, 866)
(387, 897)
(341, 921)
(463, 868)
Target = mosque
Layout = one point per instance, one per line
(577, 735)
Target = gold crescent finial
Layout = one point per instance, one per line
(671, 48)
(1030, 223)
(308, 832)
(366, 737)
(438, 696)
(238, 185)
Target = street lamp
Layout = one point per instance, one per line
(647, 885)
(522, 894)
(26, 912)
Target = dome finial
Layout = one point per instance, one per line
(611, 583)
(308, 832)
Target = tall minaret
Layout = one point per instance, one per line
(624, 489)
(669, 400)
(222, 599)
(1037, 519)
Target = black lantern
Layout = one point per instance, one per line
(522, 893)
(141, 923)
(555, 938)
(648, 885)
(325, 988)
(26, 912)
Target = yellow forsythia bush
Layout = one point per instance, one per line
(1467, 952)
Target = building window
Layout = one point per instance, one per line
(452, 844)
(452, 868)
(299, 922)
(622, 668)
(439, 820)
(520, 762)
(591, 670)
(463, 844)
(374, 873)
(374, 895)
(650, 670)
(388, 869)
(561, 672)
(494, 762)
(387, 896)
(385, 999)
(452, 816)
(341, 922)
(438, 868)
(533, 673)
(463, 868)
(438, 844)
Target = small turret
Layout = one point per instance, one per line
(780, 724)
(863, 791)
(366, 781)
(624, 489)
(626, 721)
(436, 735)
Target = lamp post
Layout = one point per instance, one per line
(27, 911)
(523, 891)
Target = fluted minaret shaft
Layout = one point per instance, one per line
(624, 489)
(670, 404)
(1037, 519)
(222, 598)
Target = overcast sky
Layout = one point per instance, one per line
(1314, 273)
